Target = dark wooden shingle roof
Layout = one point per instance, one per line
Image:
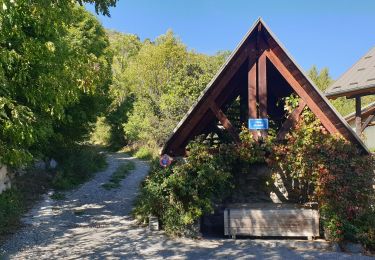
(359, 79)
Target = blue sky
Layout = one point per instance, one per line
(330, 33)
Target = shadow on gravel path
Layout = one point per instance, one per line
(95, 223)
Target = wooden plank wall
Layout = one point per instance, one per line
(271, 222)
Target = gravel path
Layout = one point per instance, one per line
(93, 223)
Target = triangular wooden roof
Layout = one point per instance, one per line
(246, 68)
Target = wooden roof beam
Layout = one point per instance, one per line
(279, 65)
(352, 94)
(367, 122)
(224, 121)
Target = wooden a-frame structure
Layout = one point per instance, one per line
(260, 73)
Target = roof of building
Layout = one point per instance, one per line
(359, 79)
(196, 119)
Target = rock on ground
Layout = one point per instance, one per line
(94, 223)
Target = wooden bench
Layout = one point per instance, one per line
(271, 220)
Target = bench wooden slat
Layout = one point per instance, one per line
(271, 222)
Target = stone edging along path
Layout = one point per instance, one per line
(95, 223)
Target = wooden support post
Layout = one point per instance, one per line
(291, 121)
(358, 120)
(252, 93)
(224, 121)
(243, 105)
(262, 89)
(252, 90)
(367, 122)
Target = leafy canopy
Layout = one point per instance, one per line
(154, 85)
(52, 57)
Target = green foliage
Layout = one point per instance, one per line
(366, 228)
(144, 153)
(329, 170)
(101, 6)
(53, 79)
(347, 106)
(154, 84)
(124, 49)
(182, 193)
(121, 172)
(101, 134)
(166, 79)
(76, 166)
(321, 78)
(11, 207)
(250, 151)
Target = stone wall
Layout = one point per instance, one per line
(256, 185)
(5, 182)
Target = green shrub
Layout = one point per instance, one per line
(144, 153)
(182, 193)
(11, 207)
(366, 228)
(331, 171)
(101, 134)
(76, 166)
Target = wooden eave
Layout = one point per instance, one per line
(350, 93)
(200, 113)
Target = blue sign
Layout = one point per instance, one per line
(258, 123)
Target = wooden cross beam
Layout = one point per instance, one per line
(280, 66)
(291, 121)
(367, 122)
(224, 121)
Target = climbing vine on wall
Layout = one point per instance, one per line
(329, 170)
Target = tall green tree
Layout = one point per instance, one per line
(49, 61)
(154, 84)
(124, 48)
(92, 55)
(166, 80)
(321, 78)
(101, 6)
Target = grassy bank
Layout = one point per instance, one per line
(143, 152)
(77, 166)
(16, 201)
